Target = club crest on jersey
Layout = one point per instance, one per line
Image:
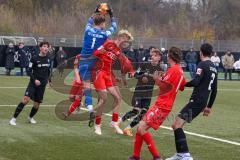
(199, 71)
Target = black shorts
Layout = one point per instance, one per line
(191, 110)
(36, 93)
(141, 103)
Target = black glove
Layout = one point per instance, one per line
(97, 9)
(110, 11)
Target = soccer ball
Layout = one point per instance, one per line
(103, 8)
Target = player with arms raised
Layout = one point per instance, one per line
(95, 35)
(163, 106)
(205, 84)
(104, 79)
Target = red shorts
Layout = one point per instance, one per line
(155, 116)
(104, 80)
(76, 90)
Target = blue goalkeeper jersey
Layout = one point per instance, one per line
(94, 38)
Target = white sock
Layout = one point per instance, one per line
(90, 108)
(184, 154)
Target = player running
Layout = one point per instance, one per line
(76, 91)
(95, 35)
(39, 72)
(143, 91)
(163, 106)
(104, 80)
(205, 84)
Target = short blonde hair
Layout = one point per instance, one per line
(127, 33)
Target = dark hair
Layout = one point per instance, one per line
(98, 19)
(20, 43)
(44, 43)
(175, 54)
(206, 49)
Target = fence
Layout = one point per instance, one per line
(76, 41)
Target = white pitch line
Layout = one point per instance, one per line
(191, 133)
(164, 127)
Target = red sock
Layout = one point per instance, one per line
(98, 120)
(115, 117)
(137, 145)
(74, 105)
(151, 146)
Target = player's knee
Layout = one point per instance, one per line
(118, 99)
(72, 98)
(79, 98)
(135, 111)
(140, 128)
(25, 100)
(36, 105)
(176, 124)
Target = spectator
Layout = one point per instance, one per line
(228, 61)
(164, 63)
(236, 65)
(51, 55)
(147, 54)
(61, 58)
(131, 55)
(140, 55)
(192, 59)
(10, 52)
(216, 60)
(23, 57)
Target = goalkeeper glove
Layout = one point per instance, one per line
(110, 11)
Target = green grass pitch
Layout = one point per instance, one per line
(54, 139)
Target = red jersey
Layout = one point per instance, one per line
(173, 76)
(108, 53)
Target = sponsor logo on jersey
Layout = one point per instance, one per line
(199, 71)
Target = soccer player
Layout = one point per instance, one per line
(143, 91)
(163, 106)
(39, 71)
(205, 84)
(76, 91)
(95, 35)
(104, 80)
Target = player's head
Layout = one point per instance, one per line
(99, 20)
(44, 46)
(124, 39)
(156, 55)
(174, 55)
(206, 50)
(21, 45)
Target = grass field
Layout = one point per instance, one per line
(52, 138)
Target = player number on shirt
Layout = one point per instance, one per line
(211, 82)
(93, 43)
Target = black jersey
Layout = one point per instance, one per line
(204, 83)
(39, 69)
(146, 70)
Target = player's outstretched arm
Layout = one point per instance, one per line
(195, 82)
(110, 31)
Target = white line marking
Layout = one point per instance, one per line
(164, 127)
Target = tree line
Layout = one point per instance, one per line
(188, 19)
